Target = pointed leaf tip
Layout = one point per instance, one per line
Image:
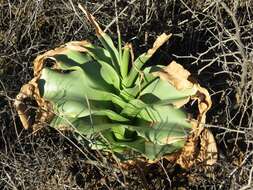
(91, 19)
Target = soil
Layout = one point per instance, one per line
(212, 39)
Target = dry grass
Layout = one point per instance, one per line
(212, 39)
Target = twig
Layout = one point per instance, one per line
(115, 19)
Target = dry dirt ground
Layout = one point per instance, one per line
(212, 39)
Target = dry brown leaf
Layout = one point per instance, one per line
(158, 43)
(208, 148)
(31, 91)
(199, 149)
(176, 75)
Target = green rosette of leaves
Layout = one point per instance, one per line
(111, 99)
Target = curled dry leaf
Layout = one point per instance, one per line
(200, 148)
(158, 43)
(31, 91)
(191, 154)
(176, 75)
(25, 92)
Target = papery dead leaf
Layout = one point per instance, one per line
(31, 91)
(176, 75)
(199, 149)
(158, 43)
(208, 148)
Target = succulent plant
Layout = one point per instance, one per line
(115, 101)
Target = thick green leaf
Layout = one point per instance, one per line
(163, 113)
(150, 150)
(142, 81)
(73, 87)
(89, 125)
(109, 46)
(71, 59)
(157, 122)
(122, 133)
(98, 68)
(142, 59)
(75, 84)
(136, 69)
(161, 90)
(133, 107)
(125, 61)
